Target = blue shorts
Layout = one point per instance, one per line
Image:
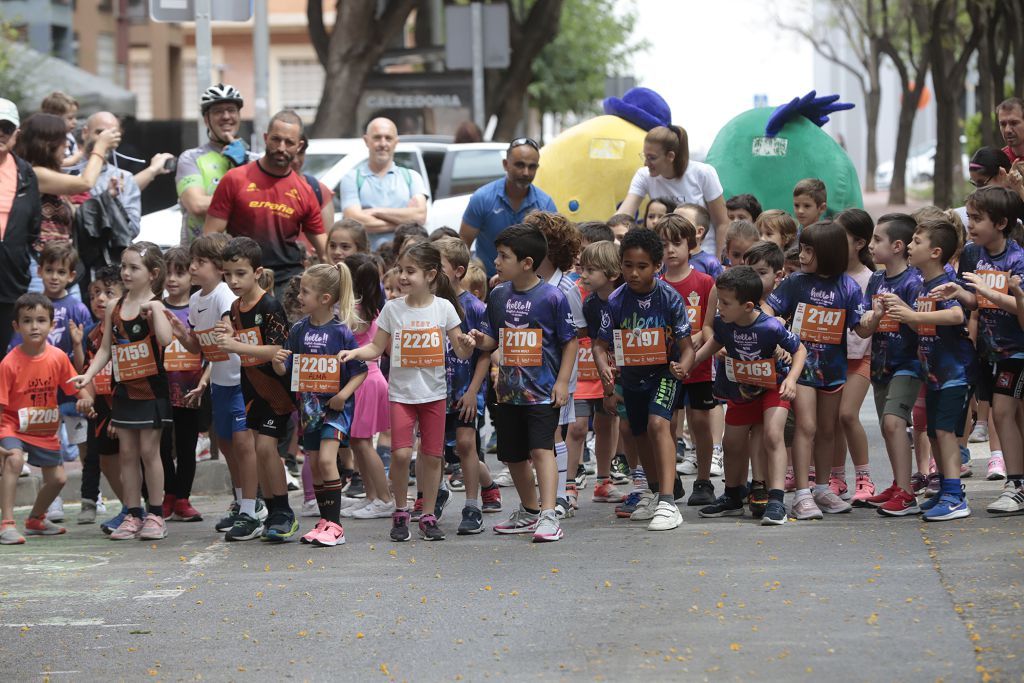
(659, 399)
(335, 427)
(945, 409)
(36, 456)
(228, 410)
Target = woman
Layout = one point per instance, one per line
(668, 172)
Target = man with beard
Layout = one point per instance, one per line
(267, 201)
(505, 201)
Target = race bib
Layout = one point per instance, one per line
(417, 348)
(521, 347)
(38, 421)
(134, 360)
(253, 337)
(586, 367)
(759, 373)
(693, 316)
(926, 304)
(316, 374)
(103, 382)
(885, 323)
(640, 347)
(178, 359)
(993, 279)
(211, 351)
(819, 324)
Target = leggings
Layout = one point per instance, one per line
(178, 452)
(91, 469)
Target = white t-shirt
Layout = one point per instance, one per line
(858, 347)
(417, 384)
(698, 185)
(204, 312)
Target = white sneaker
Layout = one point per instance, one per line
(55, 513)
(1009, 502)
(646, 507)
(101, 507)
(310, 509)
(689, 463)
(203, 448)
(979, 434)
(666, 517)
(378, 509)
(25, 470)
(291, 481)
(717, 468)
(503, 478)
(351, 510)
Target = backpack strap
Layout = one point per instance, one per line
(314, 185)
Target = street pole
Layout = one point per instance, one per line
(261, 65)
(477, 20)
(204, 55)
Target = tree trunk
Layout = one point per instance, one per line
(873, 99)
(1015, 33)
(986, 82)
(947, 146)
(904, 131)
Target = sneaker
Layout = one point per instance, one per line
(101, 509)
(228, 520)
(331, 534)
(153, 528)
(625, 510)
(564, 509)
(444, 497)
(42, 526)
(1010, 502)
(881, 498)
(519, 522)
(703, 493)
(114, 522)
(400, 526)
(351, 510)
(26, 471)
(203, 448)
(503, 479)
(790, 484)
(724, 506)
(581, 477)
(347, 502)
(666, 517)
(965, 470)
(934, 484)
(429, 530)
(9, 533)
(620, 470)
(128, 529)
(356, 488)
(311, 535)
(377, 509)
(291, 480)
(87, 515)
(996, 468)
(838, 486)
(717, 468)
(689, 464)
(490, 499)
(492, 442)
(979, 434)
(547, 529)
(918, 482)
(758, 499)
(573, 496)
(645, 508)
(864, 489)
(245, 528)
(455, 480)
(472, 522)
(184, 512)
(805, 508)
(900, 504)
(168, 505)
(281, 525)
(605, 492)
(310, 508)
(417, 510)
(55, 513)
(829, 502)
(774, 514)
(949, 507)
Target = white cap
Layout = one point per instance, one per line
(9, 112)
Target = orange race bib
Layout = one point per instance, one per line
(178, 359)
(693, 316)
(885, 323)
(211, 351)
(759, 373)
(521, 347)
(926, 304)
(253, 337)
(994, 279)
(316, 374)
(640, 347)
(586, 367)
(134, 360)
(418, 348)
(819, 324)
(38, 421)
(103, 382)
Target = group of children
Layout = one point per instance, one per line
(761, 360)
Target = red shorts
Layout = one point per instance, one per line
(919, 413)
(430, 416)
(752, 412)
(859, 366)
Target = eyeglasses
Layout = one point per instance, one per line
(980, 184)
(7, 127)
(519, 142)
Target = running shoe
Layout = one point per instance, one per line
(245, 528)
(563, 508)
(979, 434)
(774, 514)
(881, 498)
(519, 522)
(444, 497)
(620, 470)
(829, 502)
(934, 485)
(356, 488)
(55, 513)
(805, 508)
(168, 505)
(666, 517)
(331, 534)
(965, 470)
(114, 522)
(472, 522)
(87, 515)
(101, 508)
(581, 476)
(429, 530)
(864, 488)
(490, 499)
(703, 493)
(503, 478)
(455, 480)
(605, 492)
(724, 506)
(689, 464)
(717, 466)
(400, 526)
(351, 510)
(9, 533)
(949, 507)
(310, 508)
(311, 535)
(291, 480)
(377, 509)
(547, 528)
(184, 512)
(790, 484)
(154, 528)
(996, 468)
(573, 496)
(625, 510)
(1010, 502)
(229, 519)
(25, 470)
(261, 510)
(900, 504)
(758, 499)
(492, 442)
(417, 510)
(838, 486)
(918, 482)
(128, 529)
(281, 525)
(42, 526)
(645, 508)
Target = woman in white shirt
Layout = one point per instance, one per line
(668, 172)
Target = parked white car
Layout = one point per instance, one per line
(920, 168)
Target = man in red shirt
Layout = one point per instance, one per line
(1011, 124)
(267, 201)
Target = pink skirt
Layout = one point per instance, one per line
(372, 413)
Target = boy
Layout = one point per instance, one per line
(466, 395)
(620, 224)
(695, 399)
(30, 376)
(810, 201)
(946, 354)
(648, 328)
(207, 307)
(63, 105)
(701, 219)
(538, 352)
(257, 330)
(743, 207)
(756, 384)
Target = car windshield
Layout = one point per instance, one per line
(318, 164)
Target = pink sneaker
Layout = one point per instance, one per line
(790, 480)
(830, 502)
(153, 528)
(996, 468)
(865, 488)
(129, 529)
(330, 535)
(838, 486)
(805, 508)
(314, 532)
(606, 492)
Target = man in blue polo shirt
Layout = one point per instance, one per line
(377, 192)
(504, 202)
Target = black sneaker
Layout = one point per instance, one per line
(620, 470)
(724, 506)
(245, 528)
(281, 525)
(400, 526)
(455, 480)
(472, 522)
(581, 476)
(774, 514)
(677, 488)
(429, 530)
(228, 520)
(758, 499)
(356, 488)
(443, 498)
(703, 493)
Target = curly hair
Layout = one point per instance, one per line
(646, 240)
(564, 241)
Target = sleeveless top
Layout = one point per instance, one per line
(137, 330)
(57, 215)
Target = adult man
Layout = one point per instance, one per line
(378, 193)
(505, 201)
(1011, 124)
(269, 202)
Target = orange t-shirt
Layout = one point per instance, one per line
(588, 383)
(8, 188)
(28, 394)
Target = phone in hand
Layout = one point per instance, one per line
(171, 164)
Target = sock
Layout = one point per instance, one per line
(996, 454)
(238, 494)
(735, 493)
(777, 495)
(820, 488)
(157, 510)
(981, 423)
(665, 498)
(492, 487)
(562, 460)
(330, 509)
(803, 493)
(532, 511)
(138, 513)
(863, 471)
(839, 473)
(473, 503)
(951, 486)
(247, 506)
(280, 503)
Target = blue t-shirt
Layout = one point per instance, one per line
(947, 356)
(707, 264)
(595, 309)
(459, 370)
(490, 212)
(542, 307)
(756, 341)
(64, 309)
(999, 329)
(628, 312)
(894, 353)
(826, 361)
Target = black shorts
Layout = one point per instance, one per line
(659, 400)
(522, 429)
(98, 433)
(1009, 378)
(452, 423)
(260, 418)
(152, 413)
(697, 395)
(985, 385)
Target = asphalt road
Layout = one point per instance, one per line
(853, 597)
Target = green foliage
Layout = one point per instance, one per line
(594, 41)
(972, 126)
(13, 72)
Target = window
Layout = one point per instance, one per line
(106, 56)
(140, 80)
(474, 168)
(300, 84)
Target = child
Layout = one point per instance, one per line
(648, 327)
(135, 333)
(758, 387)
(656, 210)
(896, 374)
(30, 376)
(775, 225)
(946, 354)
(475, 282)
(258, 329)
(346, 237)
(391, 285)
(63, 105)
(743, 207)
(325, 385)
(538, 344)
(412, 328)
(740, 236)
(792, 263)
(701, 219)
(810, 201)
(679, 237)
(821, 301)
(621, 223)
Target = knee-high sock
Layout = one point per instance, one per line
(562, 460)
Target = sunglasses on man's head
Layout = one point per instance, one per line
(519, 142)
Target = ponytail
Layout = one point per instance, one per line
(346, 302)
(675, 140)
(337, 282)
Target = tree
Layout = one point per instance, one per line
(15, 68)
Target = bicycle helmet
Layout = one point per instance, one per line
(216, 94)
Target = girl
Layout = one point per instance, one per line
(740, 236)
(775, 225)
(656, 210)
(325, 407)
(135, 333)
(859, 229)
(411, 329)
(345, 238)
(822, 302)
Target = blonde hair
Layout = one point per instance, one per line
(266, 280)
(605, 257)
(475, 278)
(455, 250)
(337, 282)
